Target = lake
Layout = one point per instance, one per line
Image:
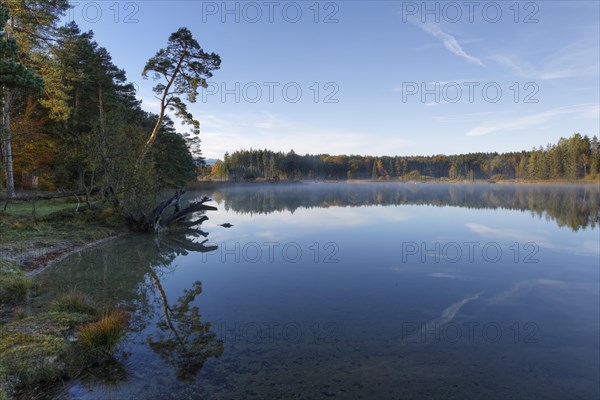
(364, 290)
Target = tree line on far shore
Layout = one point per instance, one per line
(573, 158)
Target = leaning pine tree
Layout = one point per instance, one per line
(181, 69)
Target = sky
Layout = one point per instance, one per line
(372, 77)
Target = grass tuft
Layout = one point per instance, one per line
(14, 285)
(102, 336)
(20, 313)
(75, 302)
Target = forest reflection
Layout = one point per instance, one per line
(183, 340)
(130, 274)
(573, 206)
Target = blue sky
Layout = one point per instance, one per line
(392, 77)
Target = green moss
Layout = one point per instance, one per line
(50, 323)
(29, 360)
(36, 350)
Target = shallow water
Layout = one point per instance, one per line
(357, 291)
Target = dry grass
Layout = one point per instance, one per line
(103, 335)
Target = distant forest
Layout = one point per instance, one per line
(577, 157)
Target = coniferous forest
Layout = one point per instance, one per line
(577, 157)
(70, 118)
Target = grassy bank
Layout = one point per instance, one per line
(37, 351)
(32, 234)
(72, 336)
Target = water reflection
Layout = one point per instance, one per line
(129, 274)
(574, 206)
(183, 340)
(119, 270)
(394, 312)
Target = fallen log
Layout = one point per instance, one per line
(159, 219)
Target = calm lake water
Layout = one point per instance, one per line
(366, 291)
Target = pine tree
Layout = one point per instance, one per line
(594, 156)
(184, 67)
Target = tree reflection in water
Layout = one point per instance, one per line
(574, 206)
(184, 340)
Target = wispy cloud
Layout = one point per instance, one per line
(457, 82)
(299, 221)
(581, 247)
(269, 121)
(577, 58)
(450, 275)
(447, 316)
(468, 117)
(151, 104)
(449, 41)
(522, 288)
(524, 69)
(229, 132)
(589, 111)
(437, 84)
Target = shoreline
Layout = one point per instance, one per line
(34, 257)
(203, 185)
(34, 265)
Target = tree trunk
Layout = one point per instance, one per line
(164, 102)
(166, 309)
(81, 178)
(103, 152)
(6, 139)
